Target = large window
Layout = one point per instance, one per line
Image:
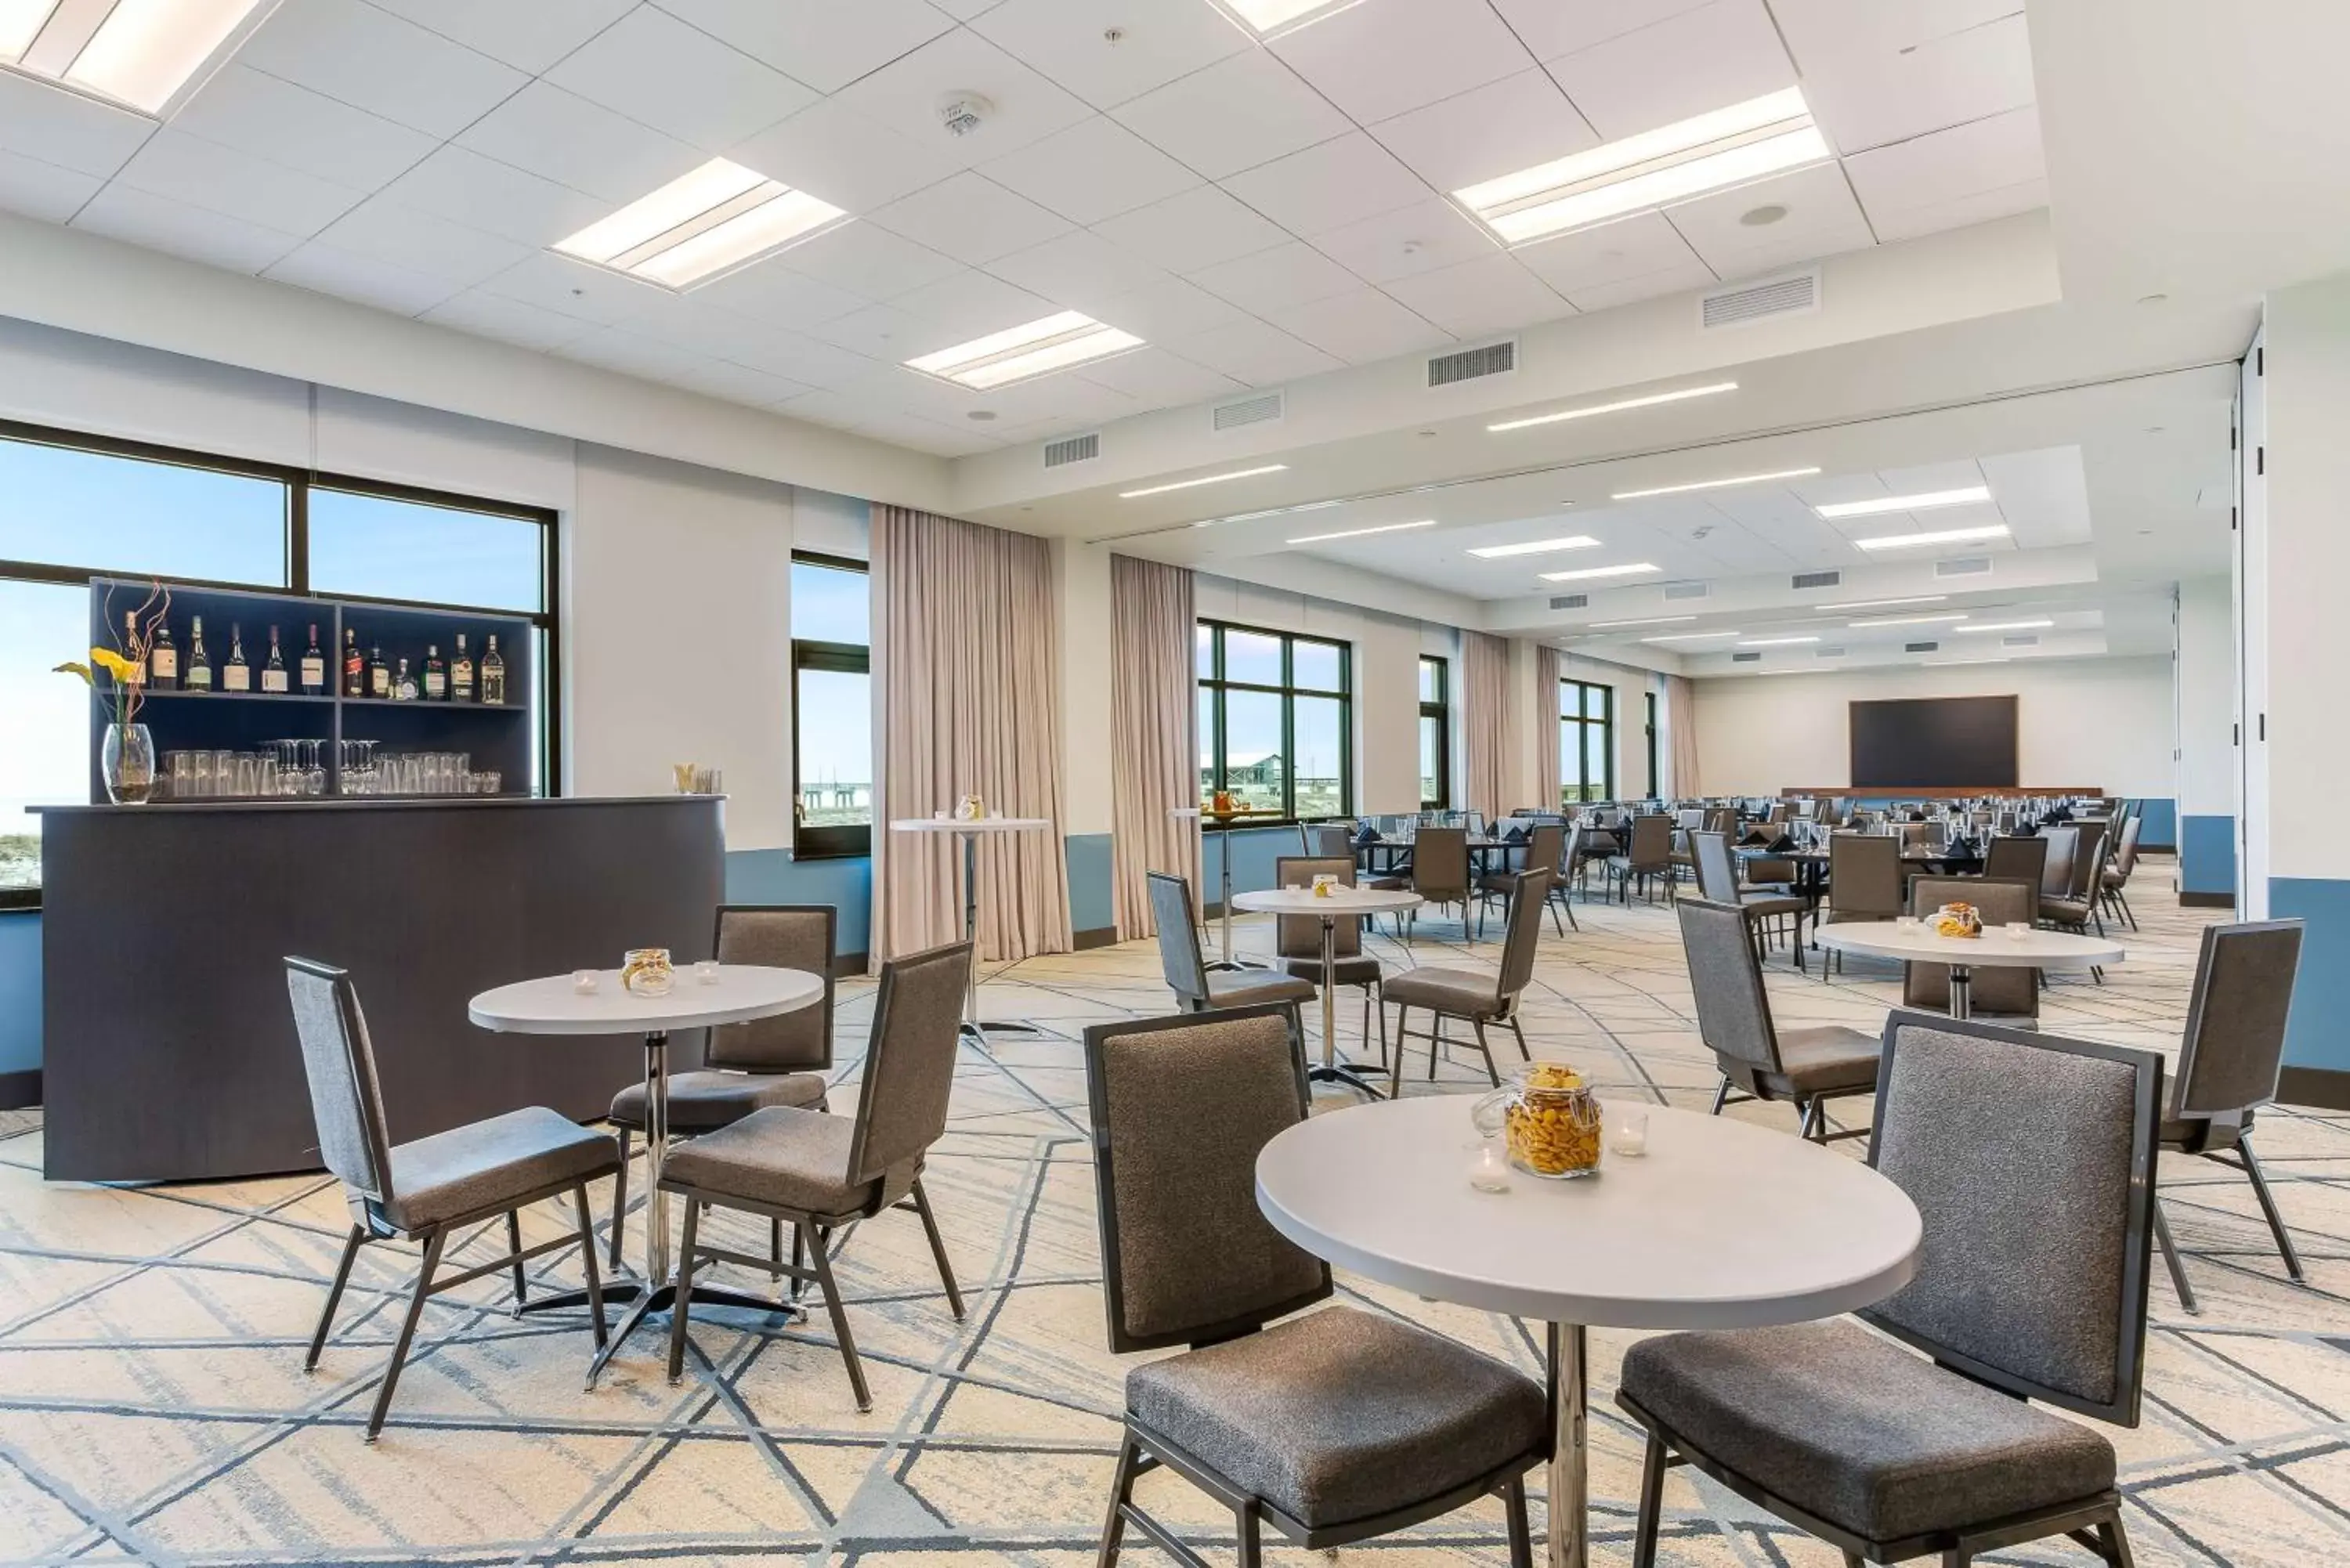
(73, 507)
(1586, 742)
(1435, 734)
(832, 707)
(1276, 721)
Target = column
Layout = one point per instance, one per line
(1081, 585)
(2205, 674)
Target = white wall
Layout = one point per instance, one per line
(2105, 724)
(2207, 698)
(1089, 633)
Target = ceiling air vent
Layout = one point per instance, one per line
(1570, 601)
(1798, 293)
(1471, 364)
(1257, 408)
(1072, 448)
(1687, 590)
(2025, 641)
(1816, 580)
(1828, 652)
(1746, 659)
(1963, 567)
(1920, 647)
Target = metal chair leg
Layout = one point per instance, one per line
(351, 1245)
(587, 1259)
(1246, 1524)
(680, 1308)
(822, 1263)
(1720, 1096)
(1486, 1051)
(1521, 1034)
(1652, 1502)
(2116, 1541)
(620, 1198)
(938, 1249)
(2171, 1256)
(514, 1245)
(1513, 1519)
(1121, 1491)
(433, 1243)
(1394, 1077)
(2268, 1206)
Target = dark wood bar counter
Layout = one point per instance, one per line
(169, 1049)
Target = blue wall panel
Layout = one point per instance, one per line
(2161, 822)
(20, 991)
(2206, 854)
(1092, 906)
(1254, 851)
(772, 877)
(2318, 1034)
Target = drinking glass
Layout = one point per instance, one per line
(268, 781)
(176, 762)
(490, 781)
(248, 775)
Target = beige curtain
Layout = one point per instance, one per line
(1153, 734)
(1490, 723)
(966, 660)
(1546, 770)
(1680, 733)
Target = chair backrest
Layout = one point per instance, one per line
(1652, 843)
(2126, 857)
(1996, 988)
(1300, 936)
(1179, 957)
(1327, 839)
(1527, 897)
(1733, 1013)
(1865, 875)
(1547, 847)
(1181, 1108)
(338, 1059)
(2018, 857)
(1439, 864)
(2234, 1046)
(909, 1061)
(2088, 859)
(1717, 872)
(2031, 1159)
(1721, 819)
(2056, 874)
(1691, 820)
(782, 936)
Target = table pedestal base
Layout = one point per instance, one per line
(1330, 1070)
(1962, 985)
(1570, 1502)
(1347, 1074)
(644, 1302)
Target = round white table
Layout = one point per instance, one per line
(969, 830)
(1350, 903)
(1722, 1224)
(1995, 949)
(553, 1005)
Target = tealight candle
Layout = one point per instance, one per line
(584, 981)
(1627, 1132)
(706, 970)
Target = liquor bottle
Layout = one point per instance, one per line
(494, 673)
(130, 641)
(236, 675)
(314, 666)
(436, 675)
(200, 663)
(273, 669)
(403, 684)
(460, 673)
(378, 673)
(354, 667)
(163, 659)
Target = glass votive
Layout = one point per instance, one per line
(1627, 1131)
(2017, 930)
(1907, 922)
(585, 981)
(1489, 1168)
(705, 970)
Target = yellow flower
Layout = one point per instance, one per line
(70, 668)
(113, 663)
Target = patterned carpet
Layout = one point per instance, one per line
(153, 1408)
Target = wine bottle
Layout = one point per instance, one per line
(494, 673)
(163, 659)
(273, 669)
(200, 663)
(436, 675)
(460, 673)
(403, 684)
(354, 667)
(130, 641)
(236, 675)
(378, 673)
(314, 666)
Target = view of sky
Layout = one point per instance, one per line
(836, 708)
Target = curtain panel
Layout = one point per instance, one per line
(1154, 720)
(1680, 730)
(966, 695)
(1547, 773)
(1488, 722)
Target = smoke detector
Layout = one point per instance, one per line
(962, 112)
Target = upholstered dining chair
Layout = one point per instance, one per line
(2057, 871)
(1297, 940)
(1804, 1067)
(2075, 907)
(1717, 880)
(1196, 986)
(819, 1174)
(1545, 845)
(1864, 884)
(2113, 882)
(1438, 873)
(2011, 859)
(1996, 989)
(430, 1187)
(1334, 1427)
(778, 1061)
(2031, 1159)
(2228, 1062)
(1473, 995)
(1648, 854)
(1326, 839)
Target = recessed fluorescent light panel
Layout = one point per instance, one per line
(2007, 625)
(1718, 484)
(1652, 620)
(1715, 151)
(1624, 571)
(1889, 604)
(1924, 503)
(1906, 620)
(1195, 483)
(1588, 410)
(145, 55)
(701, 225)
(1020, 353)
(1946, 536)
(1692, 636)
(1358, 533)
(1534, 546)
(1776, 641)
(1269, 19)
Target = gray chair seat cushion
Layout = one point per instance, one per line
(702, 1101)
(490, 1164)
(1246, 987)
(1359, 971)
(1829, 1057)
(1342, 1414)
(1852, 1428)
(1464, 992)
(2066, 911)
(783, 1157)
(1773, 903)
(1389, 884)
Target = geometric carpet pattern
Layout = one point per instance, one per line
(153, 1407)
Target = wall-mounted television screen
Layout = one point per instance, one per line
(1935, 743)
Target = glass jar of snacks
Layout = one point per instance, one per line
(1551, 1122)
(647, 972)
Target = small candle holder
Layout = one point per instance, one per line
(705, 971)
(586, 981)
(1627, 1132)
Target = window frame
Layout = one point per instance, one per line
(832, 842)
(1217, 686)
(1440, 709)
(1656, 776)
(1605, 723)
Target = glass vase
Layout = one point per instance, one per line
(127, 762)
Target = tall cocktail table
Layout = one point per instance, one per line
(1995, 949)
(1340, 903)
(969, 830)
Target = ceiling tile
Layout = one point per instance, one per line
(970, 218)
(781, 295)
(1158, 379)
(55, 126)
(1236, 114)
(1879, 98)
(528, 34)
(42, 191)
(1909, 222)
(1415, 239)
(223, 180)
(1167, 310)
(1157, 42)
(799, 358)
(654, 69)
(483, 194)
(970, 304)
(1945, 165)
(162, 224)
(833, 152)
(569, 287)
(1716, 55)
(434, 247)
(257, 113)
(1327, 187)
(1094, 170)
(631, 354)
(509, 320)
(1495, 130)
(1359, 327)
(351, 274)
(828, 43)
(1254, 354)
(1821, 220)
(1551, 28)
(546, 131)
(1678, 279)
(1203, 226)
(881, 332)
(739, 384)
(1077, 271)
(1285, 274)
(1492, 294)
(1381, 57)
(905, 95)
(1633, 247)
(864, 259)
(376, 61)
